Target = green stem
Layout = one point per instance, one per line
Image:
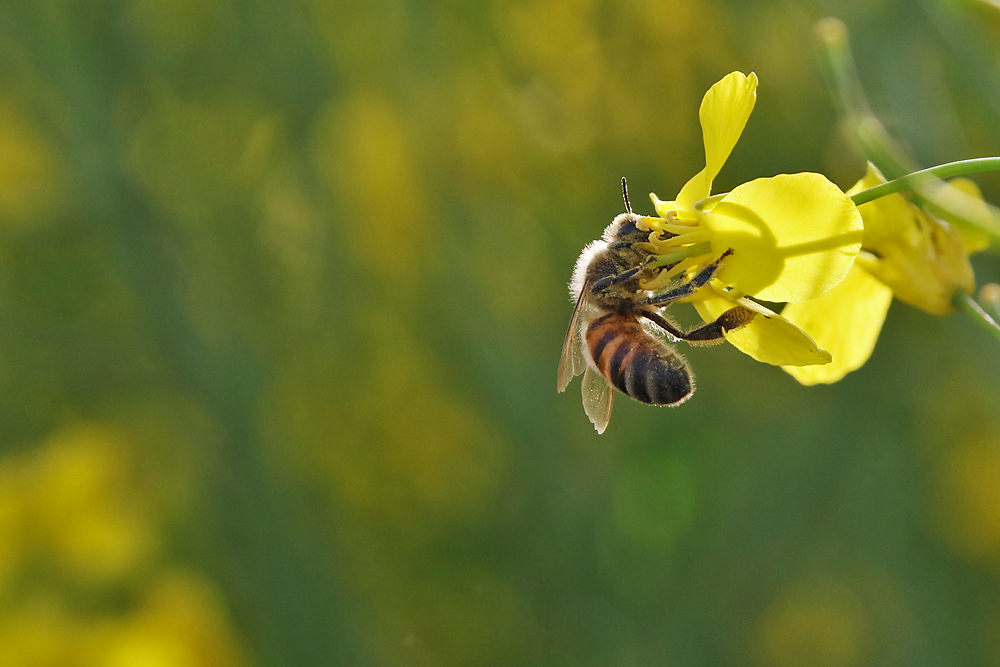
(868, 134)
(859, 122)
(970, 307)
(918, 178)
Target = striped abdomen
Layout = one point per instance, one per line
(637, 364)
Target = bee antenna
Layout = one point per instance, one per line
(628, 206)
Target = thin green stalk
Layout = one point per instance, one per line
(860, 123)
(924, 176)
(869, 135)
(971, 307)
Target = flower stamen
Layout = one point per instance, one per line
(697, 236)
(665, 277)
(679, 230)
(690, 251)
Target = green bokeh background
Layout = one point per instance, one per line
(282, 292)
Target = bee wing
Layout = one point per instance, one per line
(571, 361)
(597, 398)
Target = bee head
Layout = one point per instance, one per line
(627, 228)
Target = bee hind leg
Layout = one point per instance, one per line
(715, 331)
(656, 318)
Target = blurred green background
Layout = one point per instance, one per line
(282, 293)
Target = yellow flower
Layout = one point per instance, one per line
(793, 236)
(906, 253)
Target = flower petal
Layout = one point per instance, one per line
(968, 202)
(663, 208)
(846, 321)
(794, 236)
(923, 259)
(724, 113)
(769, 337)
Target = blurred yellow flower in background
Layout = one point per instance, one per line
(181, 620)
(84, 507)
(793, 236)
(177, 621)
(73, 511)
(814, 622)
(72, 502)
(966, 507)
(906, 253)
(32, 174)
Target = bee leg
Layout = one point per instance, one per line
(653, 316)
(691, 286)
(714, 332)
(607, 282)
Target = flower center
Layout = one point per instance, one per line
(682, 245)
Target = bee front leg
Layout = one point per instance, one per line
(604, 283)
(691, 286)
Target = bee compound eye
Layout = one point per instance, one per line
(628, 228)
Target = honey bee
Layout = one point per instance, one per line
(623, 326)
